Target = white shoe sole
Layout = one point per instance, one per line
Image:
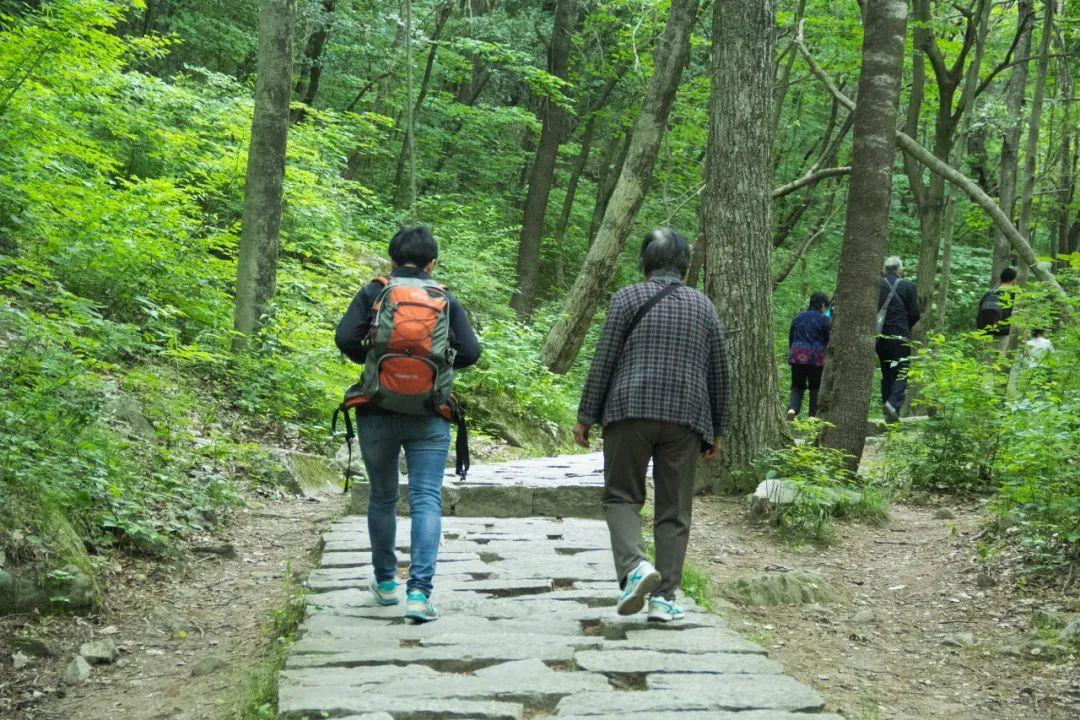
(635, 602)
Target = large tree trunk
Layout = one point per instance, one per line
(256, 272)
(611, 167)
(543, 169)
(567, 334)
(736, 219)
(1010, 139)
(1027, 192)
(849, 365)
(308, 88)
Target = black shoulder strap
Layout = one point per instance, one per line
(644, 310)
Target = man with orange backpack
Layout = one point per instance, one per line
(410, 334)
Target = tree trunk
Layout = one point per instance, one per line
(309, 88)
(256, 272)
(402, 189)
(783, 83)
(736, 219)
(1031, 152)
(552, 133)
(610, 171)
(1010, 139)
(960, 146)
(849, 364)
(1066, 163)
(697, 261)
(567, 334)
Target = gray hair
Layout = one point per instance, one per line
(664, 250)
(894, 263)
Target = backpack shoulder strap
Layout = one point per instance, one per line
(644, 310)
(892, 293)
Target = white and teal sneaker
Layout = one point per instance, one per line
(418, 608)
(385, 592)
(641, 581)
(662, 610)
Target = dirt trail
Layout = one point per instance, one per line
(168, 618)
(897, 647)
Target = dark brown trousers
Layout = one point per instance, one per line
(673, 449)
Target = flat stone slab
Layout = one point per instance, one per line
(644, 662)
(527, 629)
(740, 692)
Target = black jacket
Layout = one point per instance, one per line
(352, 331)
(903, 311)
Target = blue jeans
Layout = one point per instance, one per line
(426, 440)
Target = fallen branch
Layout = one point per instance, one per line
(954, 176)
(810, 178)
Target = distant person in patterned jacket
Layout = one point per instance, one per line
(659, 387)
(807, 340)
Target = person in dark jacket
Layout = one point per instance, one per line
(808, 338)
(995, 309)
(425, 439)
(660, 390)
(900, 301)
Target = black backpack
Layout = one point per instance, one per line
(990, 310)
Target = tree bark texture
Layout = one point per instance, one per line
(1066, 183)
(849, 364)
(610, 171)
(256, 272)
(736, 219)
(566, 336)
(1010, 139)
(552, 133)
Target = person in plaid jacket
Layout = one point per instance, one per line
(660, 389)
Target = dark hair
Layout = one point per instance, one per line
(664, 250)
(818, 300)
(1008, 274)
(413, 245)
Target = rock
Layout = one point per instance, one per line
(863, 616)
(944, 514)
(1012, 651)
(1040, 650)
(984, 581)
(128, 410)
(37, 647)
(306, 474)
(223, 550)
(173, 622)
(793, 588)
(19, 661)
(99, 652)
(961, 639)
(77, 672)
(208, 665)
(777, 492)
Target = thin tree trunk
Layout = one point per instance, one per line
(960, 146)
(567, 334)
(1027, 192)
(783, 83)
(849, 365)
(1001, 221)
(308, 88)
(800, 253)
(1067, 160)
(697, 261)
(401, 187)
(736, 218)
(1010, 139)
(552, 134)
(256, 273)
(611, 170)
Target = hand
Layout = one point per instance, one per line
(581, 435)
(710, 453)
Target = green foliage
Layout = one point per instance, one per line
(822, 486)
(1008, 427)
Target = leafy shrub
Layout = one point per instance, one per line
(1013, 435)
(822, 486)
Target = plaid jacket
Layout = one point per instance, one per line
(673, 367)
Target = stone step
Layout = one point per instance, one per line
(569, 486)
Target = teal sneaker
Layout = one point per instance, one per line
(662, 610)
(418, 608)
(641, 581)
(385, 592)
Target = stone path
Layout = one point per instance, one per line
(528, 630)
